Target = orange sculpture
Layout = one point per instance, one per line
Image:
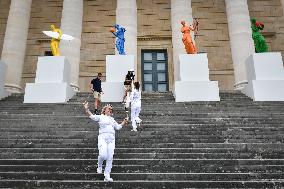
(186, 38)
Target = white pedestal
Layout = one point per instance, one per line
(194, 67)
(265, 75)
(117, 67)
(3, 92)
(52, 82)
(113, 91)
(195, 84)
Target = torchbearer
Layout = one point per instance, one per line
(106, 137)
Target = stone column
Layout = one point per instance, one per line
(180, 10)
(71, 24)
(15, 40)
(282, 2)
(126, 16)
(241, 41)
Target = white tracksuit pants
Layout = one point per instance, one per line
(106, 146)
(135, 111)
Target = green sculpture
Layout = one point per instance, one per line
(259, 41)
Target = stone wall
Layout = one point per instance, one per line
(4, 12)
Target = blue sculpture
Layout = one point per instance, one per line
(119, 34)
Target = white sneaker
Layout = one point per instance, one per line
(134, 130)
(139, 122)
(108, 179)
(99, 170)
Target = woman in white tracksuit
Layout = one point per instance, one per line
(135, 99)
(106, 138)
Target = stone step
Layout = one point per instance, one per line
(159, 168)
(32, 125)
(97, 184)
(244, 146)
(140, 176)
(131, 143)
(241, 149)
(151, 161)
(234, 143)
(118, 150)
(144, 135)
(154, 155)
(60, 119)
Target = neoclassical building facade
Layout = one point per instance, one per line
(153, 36)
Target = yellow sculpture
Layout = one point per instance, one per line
(54, 44)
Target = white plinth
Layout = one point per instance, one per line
(52, 82)
(195, 84)
(113, 91)
(194, 67)
(187, 91)
(3, 93)
(265, 75)
(52, 69)
(117, 67)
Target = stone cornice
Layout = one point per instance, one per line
(153, 38)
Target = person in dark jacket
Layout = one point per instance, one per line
(96, 87)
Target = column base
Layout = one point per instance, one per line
(240, 86)
(76, 88)
(11, 88)
(3, 92)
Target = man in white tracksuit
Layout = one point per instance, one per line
(135, 99)
(106, 138)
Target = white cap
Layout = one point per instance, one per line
(131, 70)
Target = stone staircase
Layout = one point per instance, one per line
(234, 143)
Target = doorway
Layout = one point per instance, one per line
(154, 70)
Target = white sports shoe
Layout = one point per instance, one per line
(139, 122)
(134, 130)
(99, 170)
(108, 179)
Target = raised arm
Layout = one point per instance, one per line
(86, 107)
